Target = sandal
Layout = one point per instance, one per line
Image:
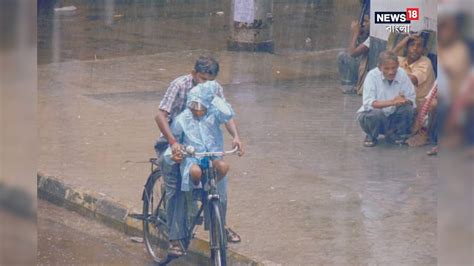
(175, 251)
(433, 151)
(232, 236)
(368, 142)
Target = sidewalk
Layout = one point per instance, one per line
(306, 190)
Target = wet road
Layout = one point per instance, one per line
(340, 203)
(18, 236)
(306, 190)
(107, 29)
(305, 167)
(67, 238)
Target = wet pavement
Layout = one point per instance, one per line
(67, 238)
(108, 28)
(306, 190)
(18, 234)
(305, 168)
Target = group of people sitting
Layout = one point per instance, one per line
(400, 97)
(396, 90)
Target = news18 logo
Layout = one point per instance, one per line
(399, 17)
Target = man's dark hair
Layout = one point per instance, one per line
(387, 56)
(424, 36)
(207, 65)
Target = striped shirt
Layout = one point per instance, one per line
(174, 101)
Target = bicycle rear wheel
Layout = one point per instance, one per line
(155, 229)
(218, 240)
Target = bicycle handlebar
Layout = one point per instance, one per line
(189, 150)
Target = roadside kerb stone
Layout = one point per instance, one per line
(113, 213)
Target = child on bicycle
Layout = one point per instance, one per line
(199, 126)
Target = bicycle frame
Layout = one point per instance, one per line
(208, 197)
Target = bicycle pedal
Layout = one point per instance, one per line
(137, 216)
(136, 239)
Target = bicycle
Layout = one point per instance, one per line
(154, 217)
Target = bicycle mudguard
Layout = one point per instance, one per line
(150, 181)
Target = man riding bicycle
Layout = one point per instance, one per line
(173, 103)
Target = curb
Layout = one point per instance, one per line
(114, 214)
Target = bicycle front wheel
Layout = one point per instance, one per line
(218, 242)
(155, 230)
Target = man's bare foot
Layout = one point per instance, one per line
(175, 249)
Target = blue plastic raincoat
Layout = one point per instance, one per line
(203, 133)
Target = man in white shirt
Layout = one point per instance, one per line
(388, 102)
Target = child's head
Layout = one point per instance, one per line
(197, 108)
(200, 98)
